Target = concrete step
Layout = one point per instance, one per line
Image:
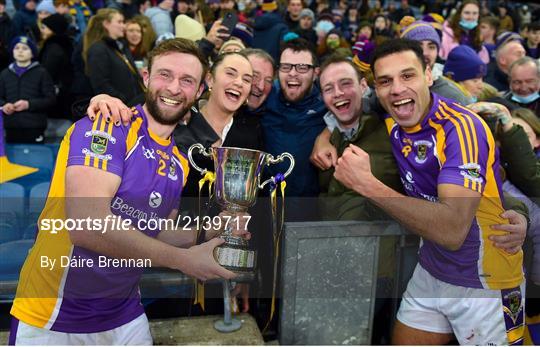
(200, 331)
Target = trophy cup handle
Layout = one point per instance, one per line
(201, 150)
(277, 160)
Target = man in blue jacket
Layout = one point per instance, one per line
(292, 118)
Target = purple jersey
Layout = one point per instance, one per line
(453, 145)
(96, 298)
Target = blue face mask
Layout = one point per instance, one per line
(468, 25)
(474, 99)
(525, 99)
(324, 26)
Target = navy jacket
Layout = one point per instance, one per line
(293, 127)
(268, 33)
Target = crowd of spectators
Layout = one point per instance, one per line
(97, 47)
(56, 55)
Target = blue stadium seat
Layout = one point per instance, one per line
(12, 203)
(12, 256)
(37, 197)
(38, 156)
(54, 148)
(9, 232)
(30, 232)
(31, 180)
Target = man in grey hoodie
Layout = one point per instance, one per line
(160, 17)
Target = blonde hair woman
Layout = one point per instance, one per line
(109, 63)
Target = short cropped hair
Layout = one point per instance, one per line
(261, 53)
(523, 61)
(394, 46)
(300, 45)
(339, 58)
(178, 45)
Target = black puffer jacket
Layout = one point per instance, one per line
(36, 86)
(112, 71)
(55, 57)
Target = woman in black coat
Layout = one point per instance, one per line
(109, 64)
(55, 57)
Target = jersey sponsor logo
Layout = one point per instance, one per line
(409, 177)
(155, 199)
(123, 208)
(148, 153)
(89, 153)
(407, 148)
(108, 136)
(162, 154)
(415, 192)
(99, 144)
(422, 147)
(471, 171)
(513, 305)
(172, 171)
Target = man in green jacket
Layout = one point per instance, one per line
(342, 87)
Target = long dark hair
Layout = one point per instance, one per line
(476, 40)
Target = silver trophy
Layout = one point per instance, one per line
(237, 177)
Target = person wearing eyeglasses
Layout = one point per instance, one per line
(292, 119)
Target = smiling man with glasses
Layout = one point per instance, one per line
(300, 68)
(292, 118)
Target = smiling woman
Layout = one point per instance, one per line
(222, 119)
(109, 63)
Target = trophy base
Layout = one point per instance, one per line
(223, 327)
(235, 255)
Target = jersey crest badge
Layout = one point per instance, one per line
(471, 171)
(99, 144)
(512, 305)
(422, 148)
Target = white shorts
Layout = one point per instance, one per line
(136, 332)
(474, 316)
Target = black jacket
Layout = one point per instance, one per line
(36, 86)
(497, 78)
(112, 71)
(245, 132)
(7, 32)
(55, 57)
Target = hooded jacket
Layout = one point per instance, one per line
(293, 127)
(268, 32)
(34, 85)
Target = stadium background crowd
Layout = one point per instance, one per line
(81, 49)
